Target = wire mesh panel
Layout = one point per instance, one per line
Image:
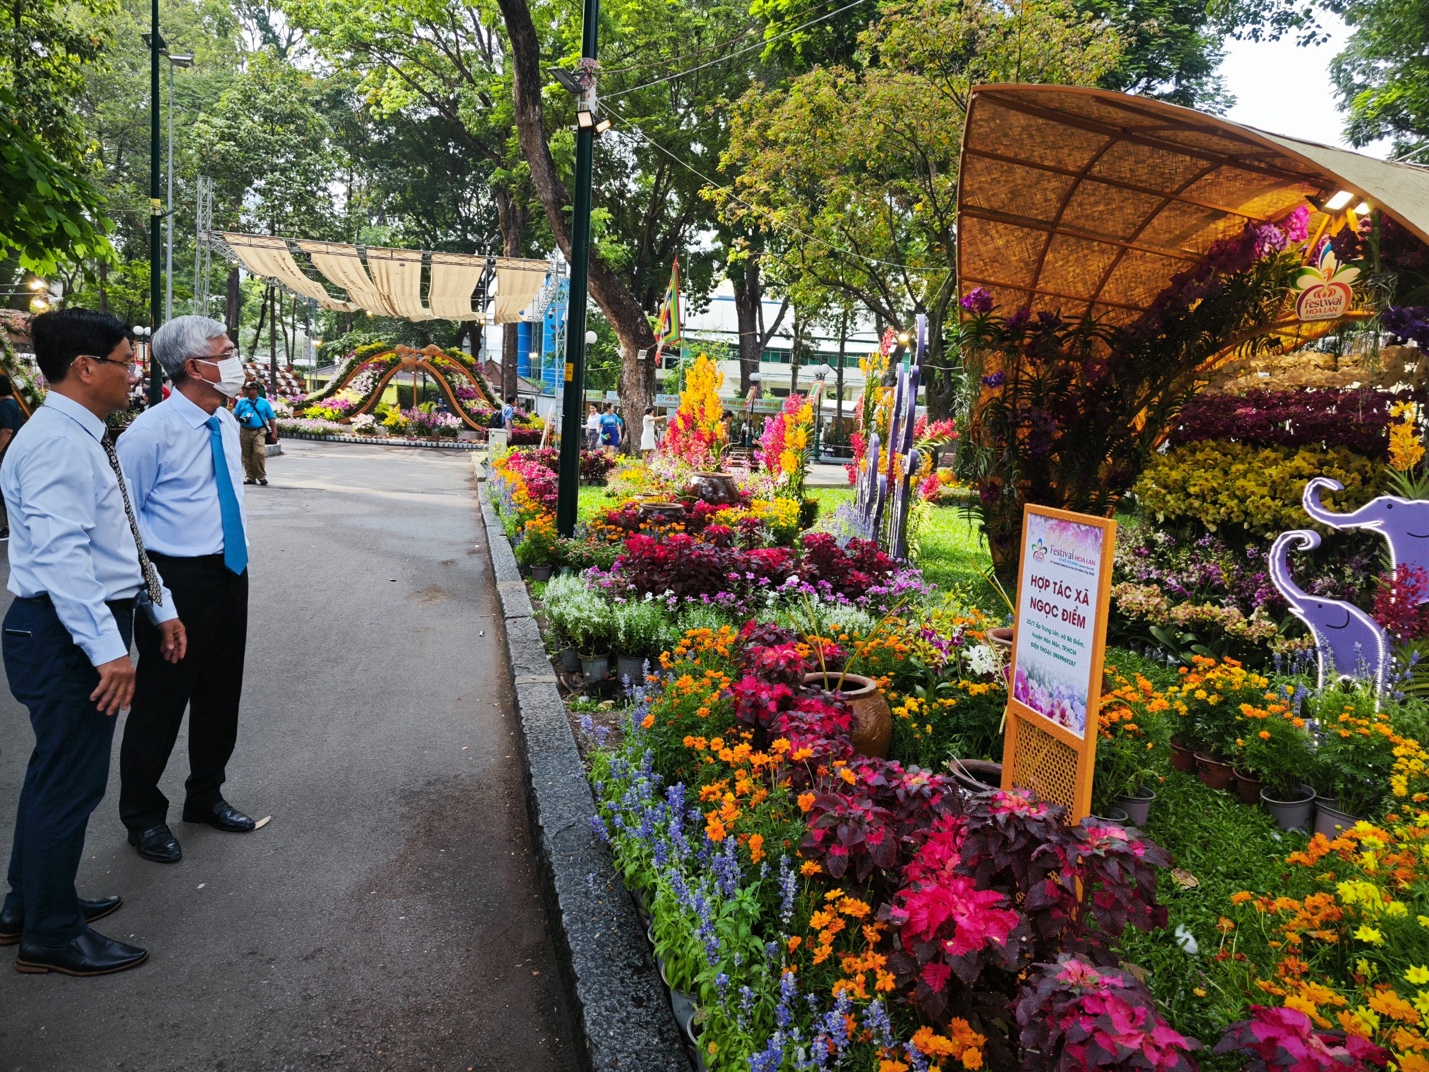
(1042, 763)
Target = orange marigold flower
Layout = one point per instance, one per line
(794, 943)
(809, 867)
(756, 847)
(647, 722)
(806, 801)
(1240, 897)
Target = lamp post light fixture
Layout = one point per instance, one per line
(176, 59)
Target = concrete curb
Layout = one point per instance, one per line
(622, 1005)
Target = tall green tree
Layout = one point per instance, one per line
(1382, 76)
(853, 172)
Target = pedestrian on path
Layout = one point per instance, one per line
(592, 428)
(77, 569)
(182, 457)
(649, 430)
(508, 416)
(610, 429)
(258, 428)
(11, 418)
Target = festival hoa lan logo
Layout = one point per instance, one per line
(1039, 550)
(1324, 287)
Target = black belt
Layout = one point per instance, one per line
(118, 606)
(210, 561)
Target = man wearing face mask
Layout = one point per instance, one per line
(182, 461)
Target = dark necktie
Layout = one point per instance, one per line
(151, 575)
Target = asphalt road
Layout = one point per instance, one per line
(388, 918)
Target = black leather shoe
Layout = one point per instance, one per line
(89, 954)
(221, 816)
(158, 844)
(13, 924)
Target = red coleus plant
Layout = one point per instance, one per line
(849, 570)
(946, 925)
(1284, 1040)
(1076, 1016)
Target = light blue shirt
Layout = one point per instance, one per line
(168, 460)
(69, 537)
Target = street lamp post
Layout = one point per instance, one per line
(179, 60)
(156, 207)
(568, 482)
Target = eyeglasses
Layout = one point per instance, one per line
(131, 367)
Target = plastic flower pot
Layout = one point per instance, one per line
(682, 1003)
(570, 660)
(1330, 820)
(595, 667)
(1290, 814)
(1183, 758)
(976, 775)
(630, 668)
(1116, 816)
(1213, 773)
(1248, 785)
(1137, 805)
(541, 573)
(872, 717)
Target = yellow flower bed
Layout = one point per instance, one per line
(1218, 482)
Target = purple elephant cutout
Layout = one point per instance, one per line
(1348, 641)
(1404, 523)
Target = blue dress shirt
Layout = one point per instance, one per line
(253, 414)
(69, 537)
(168, 461)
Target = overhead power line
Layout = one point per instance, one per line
(740, 52)
(729, 190)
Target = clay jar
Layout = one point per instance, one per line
(718, 489)
(872, 718)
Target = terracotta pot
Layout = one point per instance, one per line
(1001, 637)
(716, 488)
(1213, 773)
(1330, 820)
(872, 717)
(657, 510)
(1290, 814)
(1248, 786)
(1137, 805)
(1183, 758)
(976, 775)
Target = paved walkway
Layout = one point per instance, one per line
(389, 917)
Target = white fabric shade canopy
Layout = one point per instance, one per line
(388, 282)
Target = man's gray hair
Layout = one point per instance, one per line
(184, 337)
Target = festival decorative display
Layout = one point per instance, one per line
(886, 470)
(1348, 642)
(1325, 291)
(1064, 589)
(695, 438)
(1404, 523)
(667, 321)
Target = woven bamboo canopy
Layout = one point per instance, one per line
(1086, 202)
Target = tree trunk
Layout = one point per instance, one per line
(747, 301)
(839, 372)
(233, 306)
(511, 215)
(632, 326)
(273, 344)
(796, 352)
(262, 318)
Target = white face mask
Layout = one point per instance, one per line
(230, 376)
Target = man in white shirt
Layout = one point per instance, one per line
(77, 570)
(185, 471)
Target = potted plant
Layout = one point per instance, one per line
(642, 631)
(1354, 759)
(1278, 750)
(537, 547)
(1208, 704)
(872, 717)
(1125, 763)
(590, 623)
(563, 593)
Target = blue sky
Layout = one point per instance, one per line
(1286, 89)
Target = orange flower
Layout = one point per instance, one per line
(756, 848)
(795, 942)
(806, 801)
(647, 722)
(809, 867)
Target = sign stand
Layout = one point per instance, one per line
(1059, 640)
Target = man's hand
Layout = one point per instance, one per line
(116, 686)
(173, 640)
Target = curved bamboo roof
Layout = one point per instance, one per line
(1086, 202)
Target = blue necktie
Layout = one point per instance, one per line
(235, 548)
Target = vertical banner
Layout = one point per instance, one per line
(1059, 637)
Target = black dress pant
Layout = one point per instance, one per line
(68, 769)
(213, 605)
